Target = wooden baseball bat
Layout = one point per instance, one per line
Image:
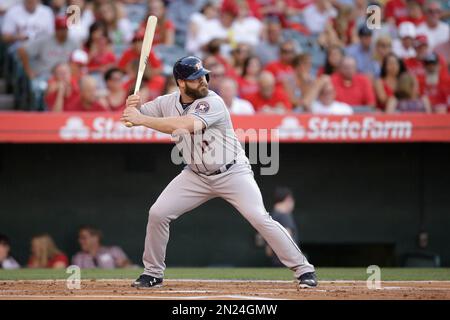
(145, 52)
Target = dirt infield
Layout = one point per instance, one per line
(222, 290)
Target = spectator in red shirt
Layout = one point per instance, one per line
(153, 85)
(434, 84)
(116, 95)
(45, 254)
(282, 69)
(86, 101)
(213, 49)
(395, 10)
(62, 88)
(248, 82)
(98, 47)
(270, 98)
(414, 13)
(352, 88)
(165, 29)
(385, 86)
(132, 55)
(78, 64)
(415, 65)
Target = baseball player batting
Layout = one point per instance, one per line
(226, 174)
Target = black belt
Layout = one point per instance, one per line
(228, 166)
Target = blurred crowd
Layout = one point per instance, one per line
(265, 56)
(44, 253)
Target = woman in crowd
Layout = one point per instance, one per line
(406, 97)
(239, 55)
(116, 94)
(165, 29)
(302, 82)
(333, 59)
(385, 86)
(383, 46)
(45, 254)
(248, 82)
(98, 47)
(119, 28)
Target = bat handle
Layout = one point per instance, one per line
(128, 123)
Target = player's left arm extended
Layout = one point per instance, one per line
(166, 125)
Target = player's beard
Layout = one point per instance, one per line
(195, 94)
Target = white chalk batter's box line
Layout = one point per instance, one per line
(232, 281)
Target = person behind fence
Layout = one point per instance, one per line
(7, 262)
(94, 254)
(284, 204)
(45, 254)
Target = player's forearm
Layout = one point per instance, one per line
(170, 124)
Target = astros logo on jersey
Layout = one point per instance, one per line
(202, 107)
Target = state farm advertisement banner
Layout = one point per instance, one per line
(24, 127)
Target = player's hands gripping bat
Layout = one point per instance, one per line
(145, 52)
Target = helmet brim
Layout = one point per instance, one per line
(200, 73)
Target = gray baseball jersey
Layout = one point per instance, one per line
(199, 182)
(204, 151)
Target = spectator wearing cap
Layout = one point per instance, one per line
(165, 29)
(248, 81)
(385, 86)
(268, 49)
(318, 14)
(282, 69)
(437, 31)
(351, 87)
(321, 99)
(228, 91)
(39, 56)
(78, 64)
(407, 97)
(62, 88)
(270, 98)
(433, 83)
(99, 49)
(27, 21)
(7, 262)
(415, 65)
(94, 254)
(132, 55)
(404, 47)
(363, 53)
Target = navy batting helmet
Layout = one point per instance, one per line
(189, 68)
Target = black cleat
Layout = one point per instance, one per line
(307, 280)
(145, 281)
